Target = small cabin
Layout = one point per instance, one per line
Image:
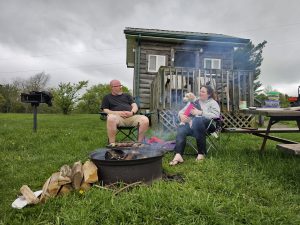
(167, 64)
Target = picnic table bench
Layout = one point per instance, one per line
(290, 148)
(275, 115)
(260, 130)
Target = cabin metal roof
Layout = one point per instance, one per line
(182, 35)
(169, 36)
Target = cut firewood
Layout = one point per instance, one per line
(54, 186)
(29, 195)
(85, 186)
(63, 180)
(45, 195)
(90, 172)
(66, 171)
(77, 175)
(65, 189)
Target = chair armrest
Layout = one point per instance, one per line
(103, 115)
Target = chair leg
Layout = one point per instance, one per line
(128, 133)
(213, 142)
(191, 144)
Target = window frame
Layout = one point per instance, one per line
(157, 65)
(186, 52)
(212, 59)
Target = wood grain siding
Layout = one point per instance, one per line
(146, 77)
(169, 50)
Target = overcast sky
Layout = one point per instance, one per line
(75, 40)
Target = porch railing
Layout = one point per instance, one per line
(234, 88)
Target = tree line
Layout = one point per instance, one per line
(67, 97)
(76, 97)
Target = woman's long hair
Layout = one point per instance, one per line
(210, 91)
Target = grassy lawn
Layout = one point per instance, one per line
(232, 186)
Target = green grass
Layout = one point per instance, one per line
(234, 185)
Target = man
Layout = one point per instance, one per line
(121, 109)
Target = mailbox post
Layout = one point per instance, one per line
(35, 98)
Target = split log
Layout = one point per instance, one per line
(85, 186)
(57, 180)
(65, 171)
(77, 175)
(65, 189)
(29, 195)
(90, 172)
(53, 185)
(45, 195)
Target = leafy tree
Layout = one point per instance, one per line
(10, 99)
(283, 98)
(66, 95)
(250, 58)
(92, 98)
(2, 102)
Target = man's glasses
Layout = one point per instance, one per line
(118, 85)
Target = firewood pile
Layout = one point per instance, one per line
(78, 177)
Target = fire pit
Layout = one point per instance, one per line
(129, 165)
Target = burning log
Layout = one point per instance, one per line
(114, 154)
(132, 155)
(118, 154)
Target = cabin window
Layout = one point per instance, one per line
(185, 59)
(156, 61)
(212, 63)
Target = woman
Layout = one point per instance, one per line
(196, 126)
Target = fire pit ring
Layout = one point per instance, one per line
(145, 169)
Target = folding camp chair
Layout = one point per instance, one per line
(213, 139)
(126, 133)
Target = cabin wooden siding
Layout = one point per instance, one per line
(145, 78)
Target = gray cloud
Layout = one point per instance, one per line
(76, 40)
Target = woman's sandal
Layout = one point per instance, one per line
(175, 162)
(200, 158)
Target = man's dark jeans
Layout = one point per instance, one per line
(198, 131)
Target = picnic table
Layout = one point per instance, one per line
(276, 115)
